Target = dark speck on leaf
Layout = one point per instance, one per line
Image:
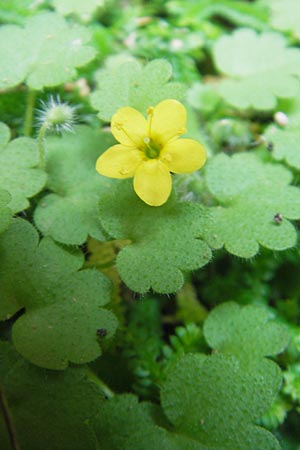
(270, 146)
(278, 218)
(102, 332)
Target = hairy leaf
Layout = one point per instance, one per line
(133, 85)
(51, 413)
(45, 52)
(19, 174)
(5, 211)
(285, 16)
(246, 332)
(285, 145)
(82, 9)
(63, 307)
(206, 396)
(261, 69)
(70, 213)
(126, 424)
(164, 240)
(256, 202)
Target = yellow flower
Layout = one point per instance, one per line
(149, 150)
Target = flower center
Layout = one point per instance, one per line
(151, 149)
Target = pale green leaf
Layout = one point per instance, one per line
(69, 214)
(285, 145)
(131, 84)
(256, 205)
(63, 307)
(83, 9)
(164, 241)
(285, 15)
(5, 211)
(261, 69)
(205, 397)
(46, 52)
(19, 174)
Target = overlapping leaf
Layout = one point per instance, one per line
(206, 396)
(251, 333)
(84, 10)
(233, 11)
(256, 203)
(52, 412)
(164, 240)
(5, 211)
(19, 174)
(130, 84)
(45, 52)
(261, 69)
(285, 15)
(15, 11)
(126, 424)
(70, 213)
(285, 145)
(63, 307)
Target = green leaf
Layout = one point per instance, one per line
(246, 332)
(45, 52)
(285, 16)
(164, 240)
(205, 397)
(286, 145)
(235, 12)
(130, 84)
(49, 410)
(5, 212)
(63, 307)
(126, 424)
(82, 9)
(70, 213)
(19, 174)
(212, 399)
(14, 11)
(251, 195)
(261, 69)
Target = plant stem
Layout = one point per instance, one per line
(29, 112)
(8, 421)
(108, 393)
(41, 144)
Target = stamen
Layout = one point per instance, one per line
(120, 127)
(167, 157)
(124, 171)
(150, 112)
(147, 140)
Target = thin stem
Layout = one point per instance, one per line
(108, 393)
(29, 112)
(41, 144)
(8, 421)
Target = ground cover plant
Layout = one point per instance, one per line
(149, 221)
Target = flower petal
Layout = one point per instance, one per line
(153, 182)
(167, 121)
(183, 156)
(119, 161)
(129, 126)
